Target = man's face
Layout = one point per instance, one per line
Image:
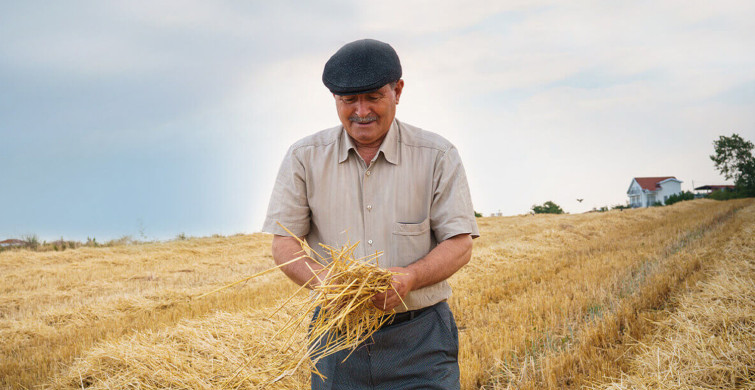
(367, 117)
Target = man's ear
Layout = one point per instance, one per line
(397, 90)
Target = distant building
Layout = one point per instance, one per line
(12, 242)
(646, 191)
(707, 189)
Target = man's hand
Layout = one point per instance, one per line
(402, 284)
(442, 262)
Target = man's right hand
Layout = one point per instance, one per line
(402, 283)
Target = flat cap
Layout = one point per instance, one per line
(361, 67)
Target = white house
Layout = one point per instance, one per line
(645, 191)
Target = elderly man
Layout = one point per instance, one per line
(395, 188)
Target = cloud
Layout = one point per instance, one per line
(545, 100)
(442, 17)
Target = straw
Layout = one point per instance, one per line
(347, 318)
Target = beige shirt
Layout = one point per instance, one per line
(413, 195)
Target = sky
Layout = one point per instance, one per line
(154, 118)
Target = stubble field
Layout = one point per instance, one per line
(650, 298)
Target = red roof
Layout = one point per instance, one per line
(651, 183)
(12, 241)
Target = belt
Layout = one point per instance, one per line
(406, 316)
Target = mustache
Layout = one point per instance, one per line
(366, 119)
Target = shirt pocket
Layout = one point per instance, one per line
(410, 242)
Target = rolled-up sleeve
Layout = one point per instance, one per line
(451, 212)
(288, 202)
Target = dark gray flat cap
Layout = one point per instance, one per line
(361, 67)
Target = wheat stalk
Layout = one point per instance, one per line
(343, 292)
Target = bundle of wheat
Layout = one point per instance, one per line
(342, 291)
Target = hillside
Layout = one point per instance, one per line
(548, 301)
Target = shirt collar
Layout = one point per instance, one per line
(389, 148)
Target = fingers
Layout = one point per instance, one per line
(379, 300)
(385, 301)
(388, 300)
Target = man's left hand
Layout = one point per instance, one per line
(402, 284)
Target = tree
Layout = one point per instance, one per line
(547, 208)
(734, 160)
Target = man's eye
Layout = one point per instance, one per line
(348, 100)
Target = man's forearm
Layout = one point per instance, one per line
(442, 262)
(438, 265)
(288, 248)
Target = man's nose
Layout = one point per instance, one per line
(362, 108)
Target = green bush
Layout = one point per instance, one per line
(685, 195)
(547, 208)
(32, 241)
(727, 194)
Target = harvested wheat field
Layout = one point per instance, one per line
(646, 298)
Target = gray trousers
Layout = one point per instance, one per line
(418, 354)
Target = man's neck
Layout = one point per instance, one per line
(367, 153)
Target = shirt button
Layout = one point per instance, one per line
(369, 173)
(369, 242)
(369, 207)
